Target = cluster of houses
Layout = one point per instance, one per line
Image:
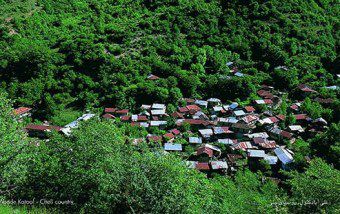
(221, 137)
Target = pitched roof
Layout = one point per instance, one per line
(175, 131)
(233, 157)
(205, 150)
(158, 106)
(193, 107)
(202, 166)
(110, 110)
(125, 118)
(281, 117)
(305, 88)
(152, 77)
(300, 116)
(195, 140)
(219, 165)
(268, 101)
(154, 138)
(249, 108)
(222, 130)
(256, 153)
(284, 156)
(183, 109)
(239, 113)
(21, 110)
(33, 127)
(122, 111)
(169, 135)
(249, 118)
(172, 147)
(286, 134)
(108, 116)
(177, 115)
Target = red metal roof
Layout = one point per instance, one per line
(125, 118)
(193, 107)
(249, 108)
(300, 116)
(142, 118)
(21, 110)
(122, 111)
(274, 119)
(202, 166)
(205, 150)
(175, 131)
(189, 100)
(259, 140)
(169, 135)
(33, 127)
(183, 109)
(268, 101)
(305, 88)
(155, 138)
(281, 117)
(286, 134)
(177, 115)
(108, 116)
(294, 107)
(110, 110)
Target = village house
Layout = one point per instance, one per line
(41, 130)
(22, 112)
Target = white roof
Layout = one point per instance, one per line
(296, 128)
(239, 113)
(228, 120)
(202, 103)
(134, 117)
(215, 148)
(158, 106)
(218, 108)
(146, 107)
(172, 147)
(260, 102)
(259, 134)
(196, 140)
(157, 123)
(256, 153)
(215, 100)
(266, 121)
(226, 107)
(226, 141)
(144, 124)
(86, 117)
(67, 131)
(158, 112)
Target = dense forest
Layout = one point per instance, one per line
(65, 57)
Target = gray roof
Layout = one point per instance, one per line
(284, 156)
(219, 165)
(195, 140)
(272, 160)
